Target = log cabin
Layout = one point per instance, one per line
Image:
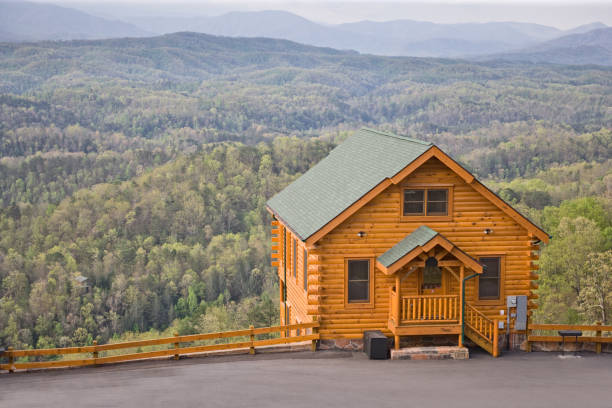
(390, 233)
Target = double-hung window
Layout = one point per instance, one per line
(426, 202)
(359, 282)
(489, 283)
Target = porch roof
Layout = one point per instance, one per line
(421, 240)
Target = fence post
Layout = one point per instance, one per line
(315, 330)
(176, 347)
(528, 342)
(11, 359)
(95, 352)
(252, 348)
(527, 334)
(597, 340)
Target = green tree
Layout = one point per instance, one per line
(595, 298)
(562, 268)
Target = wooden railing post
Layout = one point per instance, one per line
(495, 338)
(95, 352)
(315, 330)
(398, 297)
(176, 347)
(597, 340)
(252, 348)
(11, 359)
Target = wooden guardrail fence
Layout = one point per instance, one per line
(13, 356)
(598, 339)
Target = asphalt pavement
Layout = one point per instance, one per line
(322, 379)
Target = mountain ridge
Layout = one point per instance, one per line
(591, 47)
(26, 21)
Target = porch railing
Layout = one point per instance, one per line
(430, 309)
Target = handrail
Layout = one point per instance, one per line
(583, 327)
(483, 326)
(176, 351)
(479, 322)
(428, 296)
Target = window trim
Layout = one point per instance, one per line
(372, 276)
(426, 187)
(502, 280)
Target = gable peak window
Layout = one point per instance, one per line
(426, 201)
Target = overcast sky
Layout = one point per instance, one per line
(558, 13)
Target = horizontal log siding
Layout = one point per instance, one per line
(296, 295)
(380, 219)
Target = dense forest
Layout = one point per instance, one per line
(134, 172)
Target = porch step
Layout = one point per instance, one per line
(431, 353)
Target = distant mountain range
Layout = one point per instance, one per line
(399, 37)
(592, 47)
(24, 21)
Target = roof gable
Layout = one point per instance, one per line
(357, 171)
(418, 237)
(421, 241)
(349, 172)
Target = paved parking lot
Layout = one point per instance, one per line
(322, 379)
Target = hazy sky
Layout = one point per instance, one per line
(558, 13)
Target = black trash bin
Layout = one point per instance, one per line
(375, 345)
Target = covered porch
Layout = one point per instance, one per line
(438, 268)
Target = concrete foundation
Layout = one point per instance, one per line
(341, 344)
(431, 353)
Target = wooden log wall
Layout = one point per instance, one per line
(381, 222)
(296, 301)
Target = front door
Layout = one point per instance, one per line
(432, 282)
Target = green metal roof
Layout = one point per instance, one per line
(349, 172)
(418, 237)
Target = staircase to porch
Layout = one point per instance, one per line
(481, 330)
(441, 315)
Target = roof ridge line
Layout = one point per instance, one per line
(379, 132)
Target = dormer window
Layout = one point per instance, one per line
(427, 202)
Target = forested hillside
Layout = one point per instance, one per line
(143, 165)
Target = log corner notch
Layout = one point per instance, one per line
(276, 244)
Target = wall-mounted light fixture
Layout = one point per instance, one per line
(488, 231)
(361, 234)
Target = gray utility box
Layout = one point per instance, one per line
(375, 345)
